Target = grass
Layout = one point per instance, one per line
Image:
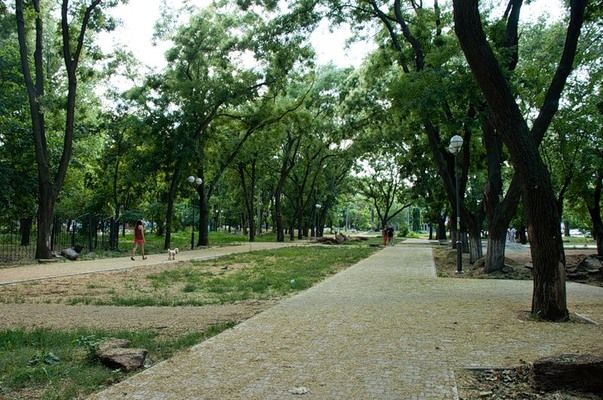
(57, 364)
(578, 241)
(52, 364)
(260, 275)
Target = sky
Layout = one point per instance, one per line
(138, 18)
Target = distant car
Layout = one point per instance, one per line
(577, 233)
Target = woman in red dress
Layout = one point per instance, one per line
(138, 239)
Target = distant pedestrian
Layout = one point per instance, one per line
(384, 234)
(138, 239)
(390, 235)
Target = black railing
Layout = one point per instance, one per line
(86, 233)
(17, 241)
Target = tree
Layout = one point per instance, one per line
(385, 187)
(221, 99)
(118, 176)
(576, 169)
(50, 179)
(288, 150)
(549, 296)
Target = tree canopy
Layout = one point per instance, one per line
(281, 143)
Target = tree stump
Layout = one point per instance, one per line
(581, 372)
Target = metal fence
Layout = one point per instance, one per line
(87, 233)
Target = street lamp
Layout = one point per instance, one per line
(195, 182)
(217, 219)
(456, 143)
(316, 225)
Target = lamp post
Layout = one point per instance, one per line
(217, 219)
(195, 182)
(456, 143)
(317, 206)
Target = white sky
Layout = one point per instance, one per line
(138, 18)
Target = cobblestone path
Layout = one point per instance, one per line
(386, 328)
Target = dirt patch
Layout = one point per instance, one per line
(101, 287)
(169, 321)
(72, 302)
(508, 383)
(516, 261)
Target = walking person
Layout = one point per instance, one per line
(390, 235)
(138, 239)
(384, 234)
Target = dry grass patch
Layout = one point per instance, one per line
(262, 275)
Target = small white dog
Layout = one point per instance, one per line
(172, 253)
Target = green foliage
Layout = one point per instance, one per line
(90, 344)
(234, 70)
(17, 172)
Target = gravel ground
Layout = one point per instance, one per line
(45, 303)
(41, 310)
(166, 320)
(42, 297)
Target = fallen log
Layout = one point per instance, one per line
(581, 372)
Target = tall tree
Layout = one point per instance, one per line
(288, 150)
(74, 22)
(385, 187)
(549, 295)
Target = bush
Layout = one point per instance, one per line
(403, 231)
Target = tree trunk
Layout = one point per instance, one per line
(249, 196)
(45, 222)
(290, 149)
(499, 217)
(599, 240)
(549, 295)
(475, 244)
(203, 216)
(495, 254)
(91, 231)
(597, 223)
(169, 212)
(497, 225)
(522, 234)
(301, 229)
(278, 217)
(49, 188)
(25, 225)
(594, 209)
(113, 233)
(441, 232)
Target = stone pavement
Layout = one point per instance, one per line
(52, 270)
(385, 328)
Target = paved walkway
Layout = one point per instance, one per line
(35, 272)
(386, 328)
